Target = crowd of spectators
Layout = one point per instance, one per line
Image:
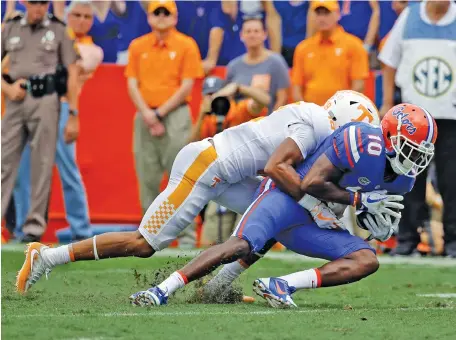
(216, 25)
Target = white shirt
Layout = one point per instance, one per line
(244, 150)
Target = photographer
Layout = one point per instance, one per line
(225, 107)
(219, 111)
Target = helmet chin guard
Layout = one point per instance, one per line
(409, 158)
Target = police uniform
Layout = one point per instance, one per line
(35, 51)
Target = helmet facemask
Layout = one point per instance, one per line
(409, 158)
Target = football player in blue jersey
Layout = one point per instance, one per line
(361, 165)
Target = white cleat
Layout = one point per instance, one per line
(33, 268)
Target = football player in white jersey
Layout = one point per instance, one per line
(222, 169)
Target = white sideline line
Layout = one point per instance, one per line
(439, 295)
(208, 312)
(286, 256)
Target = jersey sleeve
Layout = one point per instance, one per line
(304, 137)
(357, 146)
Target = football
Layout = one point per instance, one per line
(361, 217)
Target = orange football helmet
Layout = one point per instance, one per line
(410, 133)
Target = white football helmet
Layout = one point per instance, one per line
(350, 106)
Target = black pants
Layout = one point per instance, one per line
(288, 53)
(416, 210)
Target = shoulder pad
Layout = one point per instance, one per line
(53, 18)
(18, 16)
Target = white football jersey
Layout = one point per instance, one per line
(244, 150)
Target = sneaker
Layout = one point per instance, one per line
(152, 297)
(275, 291)
(33, 268)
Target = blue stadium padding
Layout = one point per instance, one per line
(65, 236)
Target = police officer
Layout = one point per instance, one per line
(36, 43)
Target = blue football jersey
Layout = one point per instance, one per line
(358, 149)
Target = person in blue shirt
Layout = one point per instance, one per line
(224, 38)
(356, 165)
(132, 24)
(196, 22)
(361, 18)
(105, 30)
(293, 27)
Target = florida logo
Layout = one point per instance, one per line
(402, 116)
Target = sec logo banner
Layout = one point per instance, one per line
(432, 77)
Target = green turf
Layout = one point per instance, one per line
(90, 300)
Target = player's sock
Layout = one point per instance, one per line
(310, 278)
(228, 274)
(175, 281)
(59, 255)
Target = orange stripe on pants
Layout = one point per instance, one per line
(182, 191)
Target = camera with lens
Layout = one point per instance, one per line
(220, 106)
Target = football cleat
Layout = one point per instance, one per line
(152, 297)
(33, 268)
(275, 291)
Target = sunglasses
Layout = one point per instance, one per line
(161, 10)
(79, 15)
(38, 2)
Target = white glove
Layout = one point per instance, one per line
(379, 203)
(323, 216)
(378, 229)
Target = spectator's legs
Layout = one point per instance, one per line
(74, 193)
(219, 222)
(178, 125)
(13, 140)
(288, 53)
(42, 122)
(414, 215)
(446, 171)
(149, 168)
(22, 192)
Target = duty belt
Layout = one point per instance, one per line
(37, 85)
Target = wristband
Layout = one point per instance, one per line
(160, 118)
(354, 198)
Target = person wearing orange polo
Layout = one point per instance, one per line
(329, 61)
(161, 70)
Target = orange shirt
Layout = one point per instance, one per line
(239, 113)
(160, 67)
(322, 67)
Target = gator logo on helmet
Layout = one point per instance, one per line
(402, 116)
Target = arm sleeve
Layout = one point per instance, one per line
(131, 70)
(336, 152)
(304, 137)
(357, 148)
(391, 51)
(68, 50)
(297, 71)
(230, 72)
(193, 67)
(282, 74)
(217, 18)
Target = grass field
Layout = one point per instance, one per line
(90, 301)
